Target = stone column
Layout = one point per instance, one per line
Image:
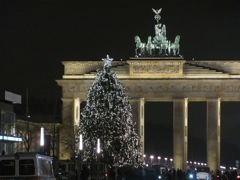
(138, 117)
(180, 133)
(67, 122)
(213, 133)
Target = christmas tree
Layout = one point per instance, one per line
(107, 122)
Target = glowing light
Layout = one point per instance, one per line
(98, 145)
(11, 138)
(80, 142)
(42, 137)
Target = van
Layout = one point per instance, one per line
(26, 165)
(203, 173)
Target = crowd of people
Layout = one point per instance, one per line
(153, 173)
(145, 173)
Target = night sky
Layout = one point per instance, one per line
(36, 35)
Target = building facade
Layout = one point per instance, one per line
(8, 136)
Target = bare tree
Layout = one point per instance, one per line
(52, 130)
(69, 139)
(29, 133)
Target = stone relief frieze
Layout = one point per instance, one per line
(155, 69)
(229, 88)
(183, 88)
(72, 88)
(170, 88)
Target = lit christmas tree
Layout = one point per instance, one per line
(107, 116)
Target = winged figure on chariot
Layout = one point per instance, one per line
(158, 45)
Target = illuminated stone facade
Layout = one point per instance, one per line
(160, 79)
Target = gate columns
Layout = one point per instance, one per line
(180, 133)
(138, 118)
(213, 133)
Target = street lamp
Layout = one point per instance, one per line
(151, 157)
(159, 159)
(144, 156)
(171, 160)
(165, 160)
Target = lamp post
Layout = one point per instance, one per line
(165, 160)
(80, 148)
(159, 159)
(171, 160)
(98, 152)
(151, 157)
(144, 156)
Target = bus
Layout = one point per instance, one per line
(26, 166)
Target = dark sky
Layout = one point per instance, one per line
(36, 35)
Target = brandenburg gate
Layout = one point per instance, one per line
(156, 75)
(163, 79)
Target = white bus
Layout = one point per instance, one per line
(26, 166)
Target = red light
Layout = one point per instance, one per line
(106, 175)
(238, 177)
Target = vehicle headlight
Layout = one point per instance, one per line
(191, 176)
(159, 177)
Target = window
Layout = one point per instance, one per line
(26, 167)
(7, 167)
(7, 122)
(45, 167)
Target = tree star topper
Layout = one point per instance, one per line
(107, 61)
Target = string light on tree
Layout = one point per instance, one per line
(107, 118)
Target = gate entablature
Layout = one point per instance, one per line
(227, 66)
(155, 68)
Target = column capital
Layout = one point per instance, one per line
(180, 99)
(67, 99)
(137, 99)
(214, 99)
(70, 99)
